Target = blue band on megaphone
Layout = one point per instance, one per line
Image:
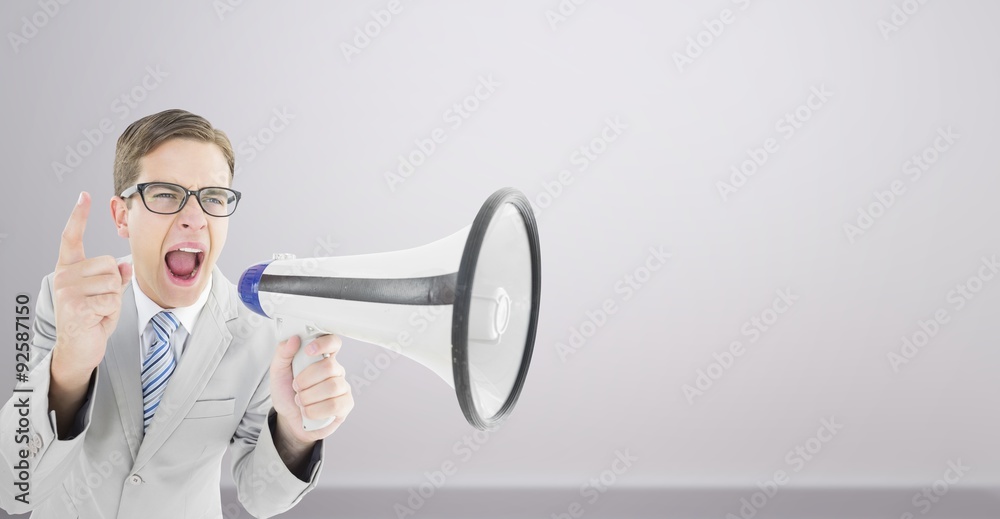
(249, 283)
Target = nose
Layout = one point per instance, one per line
(191, 215)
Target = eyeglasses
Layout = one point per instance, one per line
(167, 198)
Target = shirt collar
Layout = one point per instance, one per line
(187, 315)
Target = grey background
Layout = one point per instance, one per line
(318, 189)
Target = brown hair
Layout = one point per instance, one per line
(144, 135)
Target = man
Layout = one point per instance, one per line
(144, 369)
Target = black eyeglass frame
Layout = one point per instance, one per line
(138, 188)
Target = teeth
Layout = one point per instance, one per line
(187, 249)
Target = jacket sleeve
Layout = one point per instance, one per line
(35, 459)
(264, 485)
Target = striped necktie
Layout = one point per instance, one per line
(158, 366)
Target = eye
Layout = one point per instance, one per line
(214, 197)
(164, 195)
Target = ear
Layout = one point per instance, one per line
(119, 212)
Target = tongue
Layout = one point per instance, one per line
(181, 263)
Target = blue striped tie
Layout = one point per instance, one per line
(158, 366)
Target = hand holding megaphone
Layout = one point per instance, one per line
(309, 389)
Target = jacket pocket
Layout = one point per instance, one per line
(210, 408)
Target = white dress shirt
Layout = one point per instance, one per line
(187, 315)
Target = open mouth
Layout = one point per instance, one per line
(184, 263)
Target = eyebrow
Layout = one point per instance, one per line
(184, 186)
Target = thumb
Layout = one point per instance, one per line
(125, 269)
(285, 353)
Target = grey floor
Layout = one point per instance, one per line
(648, 503)
(622, 503)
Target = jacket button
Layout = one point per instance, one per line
(135, 479)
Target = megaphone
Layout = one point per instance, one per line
(465, 306)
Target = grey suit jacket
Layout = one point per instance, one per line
(217, 397)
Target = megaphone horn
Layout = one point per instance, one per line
(465, 306)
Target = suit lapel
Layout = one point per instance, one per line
(121, 367)
(205, 347)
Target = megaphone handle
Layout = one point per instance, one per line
(287, 327)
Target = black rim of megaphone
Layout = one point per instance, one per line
(463, 298)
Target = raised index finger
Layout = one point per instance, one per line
(71, 246)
